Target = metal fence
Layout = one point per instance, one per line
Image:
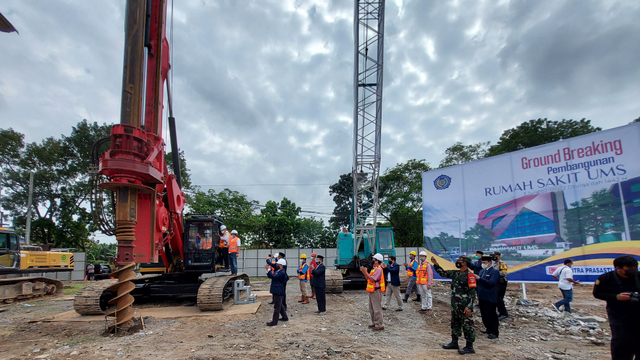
(252, 261)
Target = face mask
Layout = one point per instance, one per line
(423, 258)
(631, 272)
(485, 266)
(458, 264)
(476, 257)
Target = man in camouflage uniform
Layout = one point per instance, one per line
(463, 294)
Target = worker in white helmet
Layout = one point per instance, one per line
(223, 246)
(234, 247)
(424, 280)
(375, 288)
(279, 279)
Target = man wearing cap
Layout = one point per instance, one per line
(502, 285)
(223, 246)
(412, 269)
(375, 288)
(393, 285)
(312, 265)
(320, 285)
(488, 296)
(279, 279)
(234, 247)
(463, 294)
(303, 275)
(425, 279)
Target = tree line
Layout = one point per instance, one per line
(61, 215)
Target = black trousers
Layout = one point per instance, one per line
(624, 342)
(278, 309)
(321, 298)
(489, 316)
(224, 252)
(502, 289)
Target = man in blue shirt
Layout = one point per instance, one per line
(488, 296)
(412, 268)
(279, 279)
(392, 273)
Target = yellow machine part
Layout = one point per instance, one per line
(41, 260)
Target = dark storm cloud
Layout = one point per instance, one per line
(263, 89)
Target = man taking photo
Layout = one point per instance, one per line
(619, 288)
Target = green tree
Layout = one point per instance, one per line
(400, 198)
(280, 225)
(342, 193)
(313, 233)
(236, 210)
(185, 175)
(458, 153)
(61, 189)
(593, 216)
(538, 132)
(478, 238)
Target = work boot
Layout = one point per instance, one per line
(301, 298)
(418, 298)
(453, 345)
(306, 300)
(313, 296)
(405, 299)
(467, 349)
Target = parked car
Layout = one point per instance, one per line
(102, 271)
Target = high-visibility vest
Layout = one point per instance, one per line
(206, 243)
(425, 273)
(371, 286)
(410, 272)
(305, 275)
(223, 243)
(233, 245)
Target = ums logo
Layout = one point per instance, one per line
(442, 182)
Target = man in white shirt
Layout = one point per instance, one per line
(564, 275)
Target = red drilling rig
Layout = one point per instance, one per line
(144, 202)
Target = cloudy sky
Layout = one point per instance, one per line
(263, 89)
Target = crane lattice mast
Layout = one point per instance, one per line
(368, 30)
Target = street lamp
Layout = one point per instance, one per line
(460, 236)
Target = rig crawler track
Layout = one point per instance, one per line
(215, 290)
(94, 299)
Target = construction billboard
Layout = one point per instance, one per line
(577, 198)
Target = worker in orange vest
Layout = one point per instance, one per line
(223, 246)
(234, 247)
(375, 288)
(424, 280)
(313, 264)
(304, 274)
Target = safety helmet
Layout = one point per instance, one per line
(222, 227)
(378, 257)
(235, 232)
(423, 253)
(314, 254)
(413, 253)
(303, 256)
(282, 262)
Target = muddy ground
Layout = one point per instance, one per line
(529, 333)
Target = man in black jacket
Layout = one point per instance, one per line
(320, 285)
(488, 296)
(279, 279)
(619, 288)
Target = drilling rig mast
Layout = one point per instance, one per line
(367, 111)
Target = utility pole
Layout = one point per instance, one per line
(1, 213)
(27, 235)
